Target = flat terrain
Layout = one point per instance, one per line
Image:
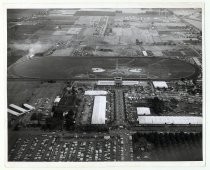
(81, 68)
(29, 92)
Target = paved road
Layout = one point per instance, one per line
(119, 107)
(120, 121)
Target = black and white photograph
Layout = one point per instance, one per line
(105, 84)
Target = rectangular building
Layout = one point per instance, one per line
(99, 110)
(143, 111)
(105, 83)
(95, 92)
(28, 106)
(20, 109)
(184, 120)
(130, 83)
(13, 112)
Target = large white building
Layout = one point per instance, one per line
(184, 120)
(99, 110)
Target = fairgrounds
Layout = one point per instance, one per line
(80, 68)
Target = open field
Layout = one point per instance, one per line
(29, 92)
(72, 68)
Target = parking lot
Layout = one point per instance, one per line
(55, 148)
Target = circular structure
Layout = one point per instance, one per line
(82, 68)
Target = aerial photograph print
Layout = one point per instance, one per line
(104, 85)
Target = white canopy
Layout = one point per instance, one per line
(99, 110)
(160, 84)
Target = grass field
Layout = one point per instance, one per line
(28, 92)
(81, 68)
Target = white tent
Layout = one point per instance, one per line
(143, 111)
(99, 110)
(160, 84)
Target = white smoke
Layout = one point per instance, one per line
(33, 48)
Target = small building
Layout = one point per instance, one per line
(29, 107)
(143, 111)
(197, 61)
(118, 81)
(57, 99)
(145, 53)
(160, 84)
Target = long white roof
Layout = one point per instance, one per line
(18, 108)
(29, 106)
(106, 83)
(112, 83)
(129, 83)
(13, 112)
(99, 110)
(95, 92)
(169, 120)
